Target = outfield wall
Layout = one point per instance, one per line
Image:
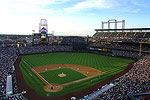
(32, 95)
(83, 51)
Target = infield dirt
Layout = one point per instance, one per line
(86, 70)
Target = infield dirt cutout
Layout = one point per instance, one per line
(55, 87)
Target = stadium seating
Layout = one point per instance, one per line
(135, 81)
(43, 49)
(7, 58)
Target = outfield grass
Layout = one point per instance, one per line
(109, 65)
(71, 75)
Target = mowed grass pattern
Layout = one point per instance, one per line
(109, 65)
(71, 75)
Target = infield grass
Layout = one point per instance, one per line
(71, 75)
(109, 65)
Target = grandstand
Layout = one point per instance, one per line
(126, 42)
(128, 33)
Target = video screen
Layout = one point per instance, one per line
(43, 36)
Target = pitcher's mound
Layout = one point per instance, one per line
(62, 75)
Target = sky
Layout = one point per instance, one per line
(70, 17)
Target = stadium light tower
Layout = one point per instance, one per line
(33, 31)
(113, 21)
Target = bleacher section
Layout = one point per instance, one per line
(113, 34)
(146, 35)
(127, 33)
(98, 92)
(139, 96)
(121, 35)
(129, 41)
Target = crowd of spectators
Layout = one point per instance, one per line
(137, 80)
(136, 40)
(121, 46)
(129, 54)
(7, 58)
(125, 49)
(120, 37)
(44, 49)
(143, 97)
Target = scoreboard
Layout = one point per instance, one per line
(41, 37)
(36, 38)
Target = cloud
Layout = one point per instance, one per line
(98, 4)
(128, 9)
(38, 6)
(116, 5)
(32, 2)
(145, 3)
(91, 14)
(28, 6)
(136, 10)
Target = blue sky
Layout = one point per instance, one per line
(70, 17)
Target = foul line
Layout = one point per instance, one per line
(37, 74)
(80, 80)
(40, 76)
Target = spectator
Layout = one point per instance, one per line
(44, 48)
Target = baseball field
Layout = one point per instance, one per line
(56, 74)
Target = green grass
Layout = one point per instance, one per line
(71, 75)
(109, 65)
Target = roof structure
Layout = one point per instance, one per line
(124, 30)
